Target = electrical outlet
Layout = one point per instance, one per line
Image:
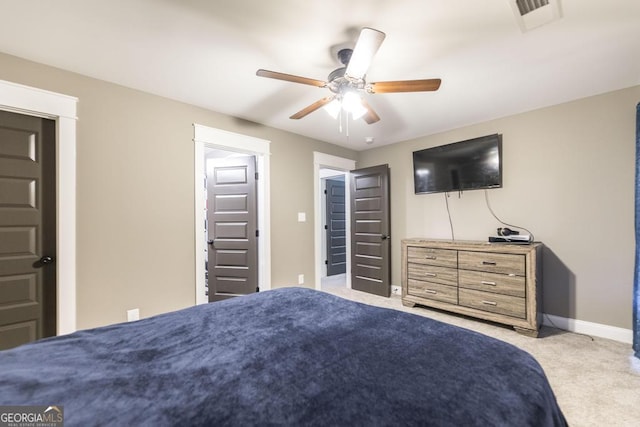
(133, 314)
(300, 279)
(396, 290)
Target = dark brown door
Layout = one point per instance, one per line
(336, 227)
(232, 267)
(27, 229)
(370, 231)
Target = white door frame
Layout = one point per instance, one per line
(61, 108)
(322, 160)
(229, 141)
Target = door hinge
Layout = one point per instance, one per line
(258, 289)
(326, 227)
(325, 191)
(326, 262)
(257, 233)
(256, 176)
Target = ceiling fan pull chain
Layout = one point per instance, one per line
(346, 115)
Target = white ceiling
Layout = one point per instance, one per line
(206, 53)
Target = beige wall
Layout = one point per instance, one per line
(568, 177)
(135, 206)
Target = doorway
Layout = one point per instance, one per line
(61, 108)
(231, 225)
(366, 195)
(335, 225)
(27, 229)
(326, 165)
(334, 220)
(207, 138)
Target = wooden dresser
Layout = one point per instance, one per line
(492, 281)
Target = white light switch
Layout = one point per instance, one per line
(302, 217)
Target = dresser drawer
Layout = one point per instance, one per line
(492, 262)
(432, 273)
(434, 291)
(492, 282)
(495, 303)
(431, 256)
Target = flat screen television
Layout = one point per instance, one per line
(466, 165)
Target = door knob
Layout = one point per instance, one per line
(46, 260)
(210, 241)
(384, 237)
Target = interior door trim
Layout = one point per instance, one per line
(321, 160)
(230, 141)
(61, 108)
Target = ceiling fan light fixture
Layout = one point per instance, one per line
(333, 108)
(358, 112)
(352, 103)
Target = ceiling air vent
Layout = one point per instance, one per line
(526, 6)
(534, 13)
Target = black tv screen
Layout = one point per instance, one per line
(466, 165)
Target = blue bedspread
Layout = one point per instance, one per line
(284, 357)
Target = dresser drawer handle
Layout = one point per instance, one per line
(484, 282)
(430, 257)
(489, 302)
(430, 291)
(488, 263)
(431, 274)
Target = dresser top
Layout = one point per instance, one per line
(473, 245)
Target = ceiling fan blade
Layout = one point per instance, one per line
(404, 86)
(290, 78)
(313, 107)
(366, 47)
(370, 116)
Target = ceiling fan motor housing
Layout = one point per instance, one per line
(338, 81)
(336, 74)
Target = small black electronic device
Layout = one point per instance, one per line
(520, 240)
(507, 232)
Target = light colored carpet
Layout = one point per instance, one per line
(596, 381)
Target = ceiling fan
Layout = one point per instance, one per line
(348, 82)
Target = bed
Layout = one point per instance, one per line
(289, 356)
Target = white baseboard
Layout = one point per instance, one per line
(589, 328)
